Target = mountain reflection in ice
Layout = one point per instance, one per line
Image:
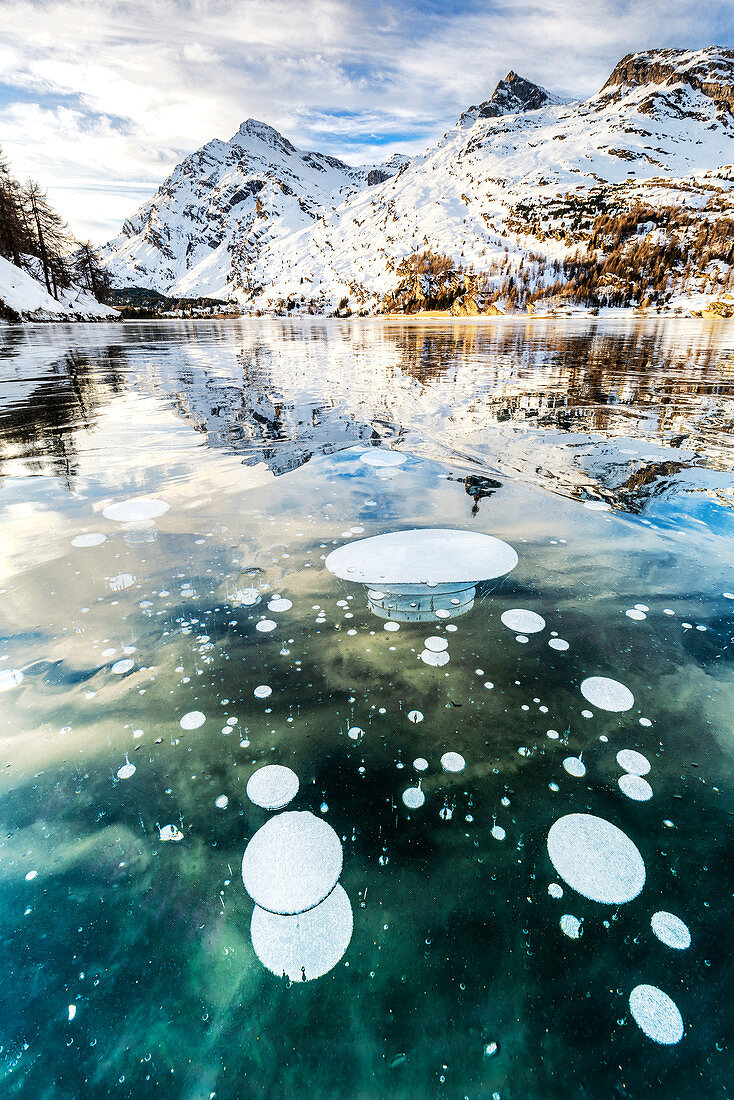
(649, 407)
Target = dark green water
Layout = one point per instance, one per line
(458, 981)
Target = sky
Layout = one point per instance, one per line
(99, 99)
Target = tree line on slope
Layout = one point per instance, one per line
(638, 256)
(35, 238)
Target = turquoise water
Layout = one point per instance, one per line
(602, 453)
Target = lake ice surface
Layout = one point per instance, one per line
(169, 630)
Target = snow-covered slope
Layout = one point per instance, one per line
(517, 181)
(23, 295)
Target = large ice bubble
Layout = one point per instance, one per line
(192, 720)
(292, 863)
(382, 457)
(421, 575)
(432, 556)
(633, 762)
(136, 510)
(596, 858)
(306, 945)
(635, 787)
(522, 621)
(656, 1014)
(670, 930)
(272, 787)
(607, 694)
(92, 538)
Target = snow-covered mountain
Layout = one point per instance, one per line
(205, 229)
(516, 187)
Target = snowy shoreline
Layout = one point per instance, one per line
(24, 300)
(428, 317)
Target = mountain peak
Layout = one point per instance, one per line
(513, 95)
(519, 178)
(252, 128)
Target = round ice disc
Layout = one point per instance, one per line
(272, 787)
(292, 863)
(426, 556)
(306, 945)
(607, 694)
(596, 858)
(633, 762)
(93, 538)
(635, 787)
(378, 457)
(656, 1014)
(523, 621)
(671, 930)
(131, 511)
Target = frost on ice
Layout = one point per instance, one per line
(10, 678)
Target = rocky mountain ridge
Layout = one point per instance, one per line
(511, 96)
(529, 194)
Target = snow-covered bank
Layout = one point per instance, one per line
(23, 298)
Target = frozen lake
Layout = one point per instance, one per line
(497, 839)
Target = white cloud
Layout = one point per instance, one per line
(112, 93)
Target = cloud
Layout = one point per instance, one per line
(101, 98)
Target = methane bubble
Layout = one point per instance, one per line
(596, 858)
(292, 863)
(607, 694)
(307, 945)
(656, 1014)
(522, 621)
(272, 787)
(671, 930)
(135, 511)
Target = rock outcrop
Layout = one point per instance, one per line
(710, 72)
